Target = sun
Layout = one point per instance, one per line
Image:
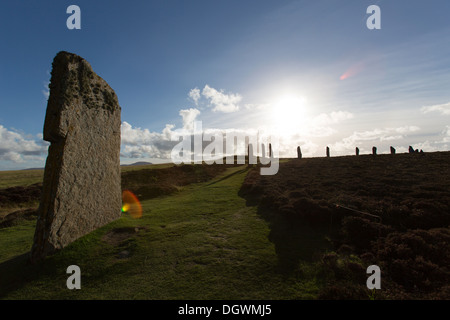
(288, 113)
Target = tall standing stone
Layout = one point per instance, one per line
(392, 150)
(299, 152)
(374, 151)
(328, 152)
(81, 190)
(251, 156)
(357, 151)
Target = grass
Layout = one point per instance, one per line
(16, 178)
(230, 233)
(204, 242)
(20, 178)
(146, 166)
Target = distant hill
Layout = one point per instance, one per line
(140, 163)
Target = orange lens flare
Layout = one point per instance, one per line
(131, 204)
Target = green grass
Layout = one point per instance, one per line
(203, 242)
(20, 178)
(146, 166)
(16, 178)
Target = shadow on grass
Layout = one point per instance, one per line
(16, 272)
(295, 240)
(19, 272)
(228, 176)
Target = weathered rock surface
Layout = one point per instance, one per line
(81, 190)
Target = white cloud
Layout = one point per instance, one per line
(220, 101)
(46, 91)
(319, 126)
(427, 146)
(442, 108)
(141, 143)
(194, 94)
(446, 134)
(189, 116)
(362, 139)
(331, 118)
(406, 129)
(18, 147)
(257, 107)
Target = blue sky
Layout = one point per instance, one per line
(237, 65)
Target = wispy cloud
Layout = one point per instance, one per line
(444, 109)
(332, 118)
(46, 91)
(194, 94)
(189, 116)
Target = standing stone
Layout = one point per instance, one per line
(411, 149)
(357, 151)
(299, 152)
(374, 151)
(81, 190)
(328, 152)
(392, 150)
(270, 151)
(251, 156)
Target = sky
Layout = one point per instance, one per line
(311, 72)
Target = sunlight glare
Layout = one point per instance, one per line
(288, 114)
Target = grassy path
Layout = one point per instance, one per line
(201, 243)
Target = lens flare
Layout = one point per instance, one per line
(131, 204)
(353, 71)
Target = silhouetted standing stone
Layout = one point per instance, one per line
(374, 151)
(270, 150)
(81, 190)
(392, 150)
(411, 149)
(328, 152)
(357, 151)
(299, 152)
(421, 151)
